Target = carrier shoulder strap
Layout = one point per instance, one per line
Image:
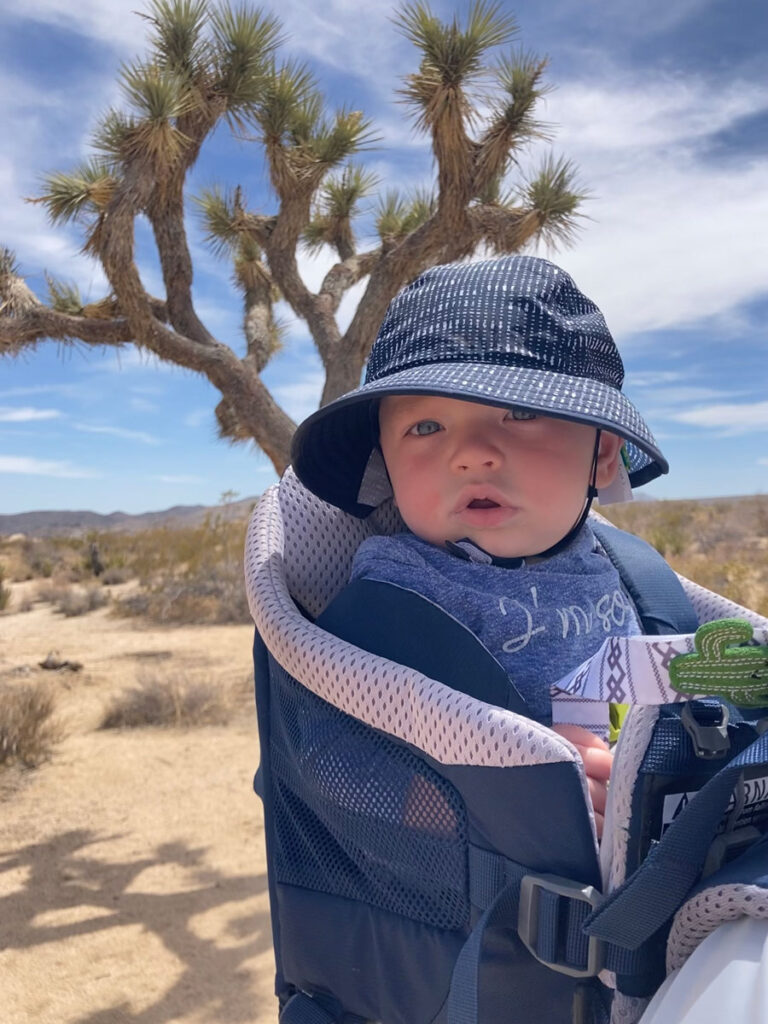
(658, 595)
(406, 627)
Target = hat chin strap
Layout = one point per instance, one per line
(516, 563)
(591, 495)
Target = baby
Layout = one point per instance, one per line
(492, 411)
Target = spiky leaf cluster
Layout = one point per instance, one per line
(64, 297)
(512, 123)
(177, 36)
(220, 213)
(76, 196)
(244, 41)
(331, 223)
(16, 298)
(452, 55)
(554, 195)
(398, 216)
(301, 142)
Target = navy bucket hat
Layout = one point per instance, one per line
(509, 331)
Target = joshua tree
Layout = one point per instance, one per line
(207, 63)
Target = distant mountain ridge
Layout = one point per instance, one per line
(76, 523)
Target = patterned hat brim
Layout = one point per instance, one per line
(332, 447)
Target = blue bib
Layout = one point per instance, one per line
(539, 620)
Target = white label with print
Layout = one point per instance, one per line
(754, 811)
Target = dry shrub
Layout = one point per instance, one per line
(72, 601)
(110, 577)
(27, 728)
(80, 602)
(190, 576)
(50, 593)
(216, 598)
(5, 593)
(721, 544)
(168, 702)
(46, 557)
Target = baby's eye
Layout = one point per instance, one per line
(425, 427)
(516, 413)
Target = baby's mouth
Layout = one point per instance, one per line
(483, 503)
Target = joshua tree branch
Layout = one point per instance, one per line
(166, 214)
(344, 275)
(43, 322)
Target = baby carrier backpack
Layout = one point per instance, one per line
(432, 856)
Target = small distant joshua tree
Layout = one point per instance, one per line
(475, 101)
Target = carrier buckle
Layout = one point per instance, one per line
(710, 741)
(529, 918)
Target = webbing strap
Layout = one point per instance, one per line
(657, 593)
(559, 941)
(465, 980)
(656, 890)
(302, 1008)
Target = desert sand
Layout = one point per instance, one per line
(132, 871)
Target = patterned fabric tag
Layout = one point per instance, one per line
(636, 670)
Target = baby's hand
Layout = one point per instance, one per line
(598, 761)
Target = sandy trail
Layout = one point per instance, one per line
(132, 873)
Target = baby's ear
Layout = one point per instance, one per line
(607, 458)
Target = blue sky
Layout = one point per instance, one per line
(664, 108)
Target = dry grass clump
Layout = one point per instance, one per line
(27, 728)
(168, 702)
(5, 593)
(216, 598)
(111, 577)
(72, 601)
(80, 602)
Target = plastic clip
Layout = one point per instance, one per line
(710, 742)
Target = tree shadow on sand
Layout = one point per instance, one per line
(62, 876)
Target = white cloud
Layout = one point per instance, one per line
(656, 378)
(128, 435)
(41, 467)
(654, 18)
(179, 479)
(197, 417)
(351, 37)
(27, 414)
(625, 113)
(115, 23)
(139, 404)
(302, 396)
(675, 397)
(65, 390)
(40, 134)
(671, 240)
(729, 419)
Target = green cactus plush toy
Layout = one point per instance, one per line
(722, 667)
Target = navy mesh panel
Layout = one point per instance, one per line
(360, 816)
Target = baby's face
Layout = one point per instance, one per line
(513, 482)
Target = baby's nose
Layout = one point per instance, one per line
(477, 451)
